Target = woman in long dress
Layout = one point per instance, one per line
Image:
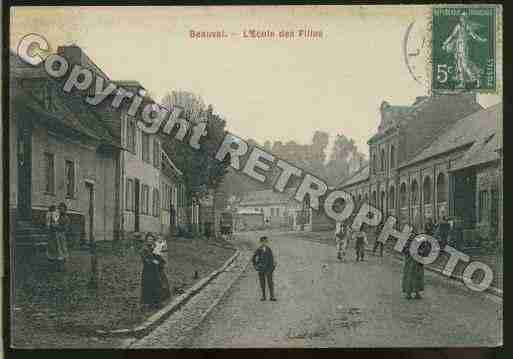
(57, 250)
(154, 284)
(413, 273)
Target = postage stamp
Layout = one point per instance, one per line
(463, 49)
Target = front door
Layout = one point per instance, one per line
(90, 212)
(464, 198)
(24, 154)
(137, 189)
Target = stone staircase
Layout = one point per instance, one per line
(29, 238)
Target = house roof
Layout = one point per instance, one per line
(129, 83)
(464, 132)
(267, 197)
(64, 115)
(359, 176)
(484, 150)
(67, 110)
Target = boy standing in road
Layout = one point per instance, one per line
(264, 264)
(360, 244)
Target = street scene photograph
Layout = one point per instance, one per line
(254, 176)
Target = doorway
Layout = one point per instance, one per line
(90, 212)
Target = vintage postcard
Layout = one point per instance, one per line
(255, 176)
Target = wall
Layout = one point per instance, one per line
(148, 174)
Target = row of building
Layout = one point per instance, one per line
(441, 156)
(114, 178)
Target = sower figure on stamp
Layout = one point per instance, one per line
(458, 44)
(264, 264)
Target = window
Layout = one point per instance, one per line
(392, 156)
(156, 153)
(156, 202)
(383, 203)
(145, 194)
(129, 195)
(277, 212)
(484, 205)
(145, 147)
(130, 135)
(69, 167)
(414, 193)
(374, 198)
(441, 188)
(49, 159)
(403, 196)
(391, 198)
(427, 190)
(272, 211)
(382, 160)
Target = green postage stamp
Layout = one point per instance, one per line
(463, 49)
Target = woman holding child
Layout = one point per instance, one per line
(154, 283)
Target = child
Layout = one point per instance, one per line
(360, 244)
(341, 233)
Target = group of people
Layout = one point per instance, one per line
(344, 235)
(413, 273)
(440, 230)
(58, 227)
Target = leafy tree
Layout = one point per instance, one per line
(202, 172)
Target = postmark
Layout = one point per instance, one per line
(463, 49)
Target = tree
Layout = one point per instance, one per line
(344, 159)
(200, 169)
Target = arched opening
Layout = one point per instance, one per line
(391, 198)
(403, 198)
(383, 202)
(426, 190)
(360, 198)
(366, 198)
(414, 193)
(392, 156)
(441, 188)
(374, 198)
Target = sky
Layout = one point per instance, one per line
(266, 88)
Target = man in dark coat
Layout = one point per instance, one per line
(264, 264)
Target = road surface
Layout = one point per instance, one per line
(325, 303)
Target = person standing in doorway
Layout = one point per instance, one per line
(443, 230)
(264, 264)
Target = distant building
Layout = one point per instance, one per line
(279, 210)
(439, 156)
